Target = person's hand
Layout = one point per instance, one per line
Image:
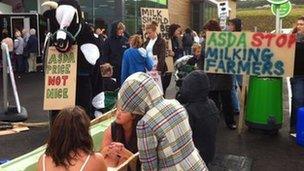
(120, 150)
(170, 53)
(117, 147)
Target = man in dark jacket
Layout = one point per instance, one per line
(32, 49)
(114, 48)
(202, 111)
(297, 82)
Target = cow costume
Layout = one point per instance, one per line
(67, 29)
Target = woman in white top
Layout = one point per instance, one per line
(156, 46)
(70, 146)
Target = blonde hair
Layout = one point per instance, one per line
(153, 26)
(106, 70)
(136, 41)
(196, 47)
(17, 33)
(121, 26)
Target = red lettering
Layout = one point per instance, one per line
(64, 78)
(257, 39)
(58, 80)
(269, 37)
(292, 40)
(281, 40)
(51, 80)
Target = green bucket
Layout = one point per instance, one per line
(264, 109)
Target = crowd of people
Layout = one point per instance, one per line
(175, 134)
(23, 50)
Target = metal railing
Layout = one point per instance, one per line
(9, 113)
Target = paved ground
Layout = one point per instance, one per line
(267, 152)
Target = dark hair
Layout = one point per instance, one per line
(69, 134)
(301, 18)
(4, 33)
(188, 30)
(237, 24)
(295, 30)
(212, 25)
(172, 29)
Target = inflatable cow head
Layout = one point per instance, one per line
(68, 28)
(68, 23)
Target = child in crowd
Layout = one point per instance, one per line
(135, 59)
(202, 111)
(197, 61)
(187, 64)
(105, 100)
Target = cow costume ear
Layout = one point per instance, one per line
(90, 52)
(65, 15)
(51, 4)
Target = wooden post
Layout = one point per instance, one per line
(243, 103)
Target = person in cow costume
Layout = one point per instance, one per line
(67, 29)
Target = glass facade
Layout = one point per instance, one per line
(21, 6)
(202, 12)
(102, 13)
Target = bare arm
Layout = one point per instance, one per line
(107, 140)
(39, 168)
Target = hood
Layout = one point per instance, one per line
(138, 94)
(113, 29)
(237, 23)
(195, 87)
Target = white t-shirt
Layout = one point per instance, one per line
(150, 45)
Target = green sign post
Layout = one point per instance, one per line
(283, 9)
(277, 1)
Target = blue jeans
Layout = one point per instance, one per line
(297, 88)
(234, 96)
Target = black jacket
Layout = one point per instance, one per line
(202, 111)
(32, 45)
(218, 82)
(113, 50)
(299, 56)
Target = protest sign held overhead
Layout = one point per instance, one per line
(261, 54)
(60, 79)
(158, 15)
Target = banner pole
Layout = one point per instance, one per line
(4, 63)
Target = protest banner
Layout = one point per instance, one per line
(60, 79)
(161, 17)
(158, 15)
(246, 53)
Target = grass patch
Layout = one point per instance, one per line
(264, 20)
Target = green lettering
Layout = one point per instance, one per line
(242, 40)
(49, 94)
(65, 93)
(71, 58)
(231, 39)
(222, 39)
(59, 93)
(52, 59)
(212, 39)
(59, 59)
(67, 69)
